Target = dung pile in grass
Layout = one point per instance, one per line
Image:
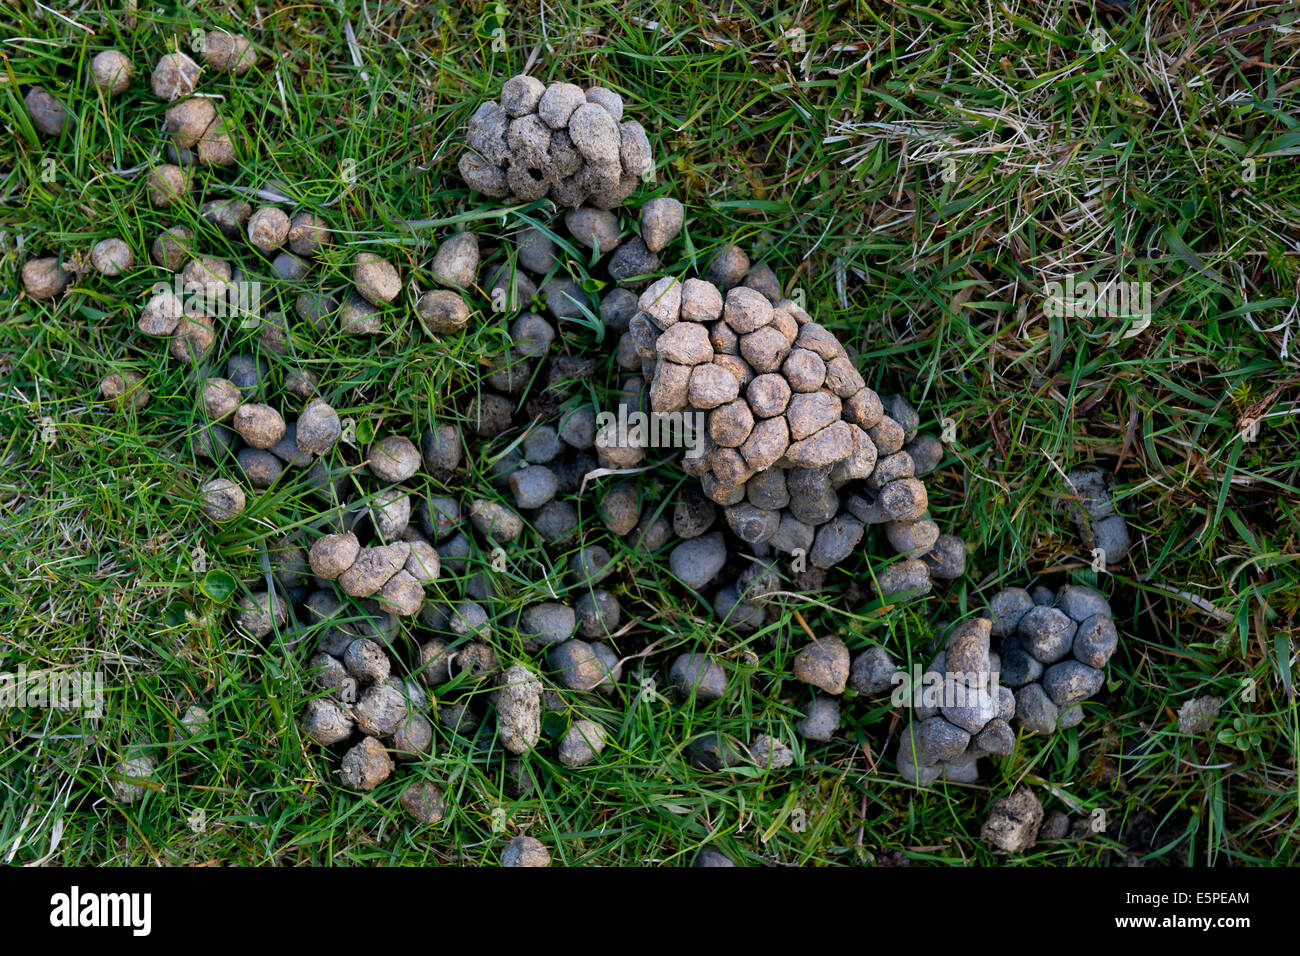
(391, 585)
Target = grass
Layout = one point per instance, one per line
(919, 172)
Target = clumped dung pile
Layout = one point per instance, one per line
(1054, 651)
(1052, 657)
(555, 140)
(801, 453)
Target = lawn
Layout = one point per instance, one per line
(918, 174)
